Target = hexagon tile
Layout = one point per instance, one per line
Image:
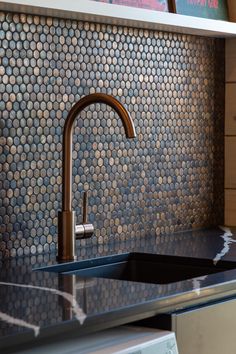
(169, 178)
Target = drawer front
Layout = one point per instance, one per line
(230, 109)
(230, 207)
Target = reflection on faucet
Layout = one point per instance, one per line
(66, 218)
(70, 284)
(67, 285)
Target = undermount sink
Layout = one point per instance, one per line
(142, 267)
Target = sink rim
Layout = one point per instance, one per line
(64, 267)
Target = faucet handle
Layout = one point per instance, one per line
(85, 207)
(86, 229)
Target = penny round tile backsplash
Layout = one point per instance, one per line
(168, 179)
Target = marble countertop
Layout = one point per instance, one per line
(35, 304)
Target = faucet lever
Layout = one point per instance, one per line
(86, 229)
(85, 207)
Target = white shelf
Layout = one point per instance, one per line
(87, 10)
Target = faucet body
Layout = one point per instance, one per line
(66, 217)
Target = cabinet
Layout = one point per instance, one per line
(206, 330)
(230, 206)
(120, 340)
(230, 108)
(230, 162)
(230, 133)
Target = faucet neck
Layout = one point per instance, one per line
(66, 218)
(68, 138)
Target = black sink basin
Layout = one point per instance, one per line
(142, 267)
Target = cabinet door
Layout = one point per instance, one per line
(230, 109)
(230, 60)
(207, 330)
(230, 162)
(230, 207)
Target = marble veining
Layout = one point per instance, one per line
(228, 240)
(19, 322)
(56, 302)
(79, 313)
(197, 283)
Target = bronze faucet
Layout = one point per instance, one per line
(67, 230)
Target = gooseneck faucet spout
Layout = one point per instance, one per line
(66, 218)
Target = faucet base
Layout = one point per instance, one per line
(66, 236)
